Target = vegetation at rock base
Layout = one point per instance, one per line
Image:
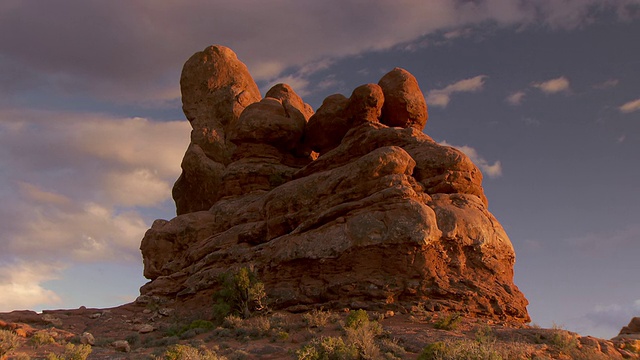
(360, 341)
(242, 294)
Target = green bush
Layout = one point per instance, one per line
(449, 322)
(327, 348)
(72, 352)
(356, 319)
(463, 349)
(563, 340)
(194, 328)
(40, 338)
(241, 294)
(316, 318)
(186, 352)
(433, 351)
(8, 342)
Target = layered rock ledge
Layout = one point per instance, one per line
(350, 206)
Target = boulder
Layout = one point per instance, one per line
(404, 105)
(216, 87)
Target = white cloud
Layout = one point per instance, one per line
(21, 285)
(631, 106)
(79, 182)
(516, 98)
(552, 86)
(442, 97)
(491, 170)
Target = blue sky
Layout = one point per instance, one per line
(543, 95)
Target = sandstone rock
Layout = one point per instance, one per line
(145, 328)
(268, 122)
(87, 339)
(121, 345)
(404, 103)
(199, 184)
(383, 219)
(293, 104)
(338, 115)
(216, 87)
(632, 328)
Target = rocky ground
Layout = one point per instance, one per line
(148, 331)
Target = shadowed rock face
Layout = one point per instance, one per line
(351, 206)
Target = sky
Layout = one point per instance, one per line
(543, 95)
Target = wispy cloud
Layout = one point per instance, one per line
(442, 97)
(516, 98)
(491, 170)
(631, 106)
(553, 86)
(607, 84)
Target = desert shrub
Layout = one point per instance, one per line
(259, 326)
(8, 342)
(361, 333)
(40, 338)
(563, 341)
(327, 348)
(282, 335)
(485, 335)
(392, 349)
(433, 351)
(232, 321)
(316, 318)
(192, 329)
(363, 338)
(357, 318)
(186, 352)
(72, 352)
(241, 294)
(449, 322)
(463, 349)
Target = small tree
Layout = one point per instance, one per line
(241, 294)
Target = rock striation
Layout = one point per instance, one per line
(350, 206)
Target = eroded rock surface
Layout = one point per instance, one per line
(350, 206)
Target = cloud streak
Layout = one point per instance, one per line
(631, 106)
(491, 170)
(442, 97)
(516, 98)
(553, 86)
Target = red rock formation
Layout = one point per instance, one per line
(384, 218)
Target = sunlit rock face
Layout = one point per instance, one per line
(350, 206)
